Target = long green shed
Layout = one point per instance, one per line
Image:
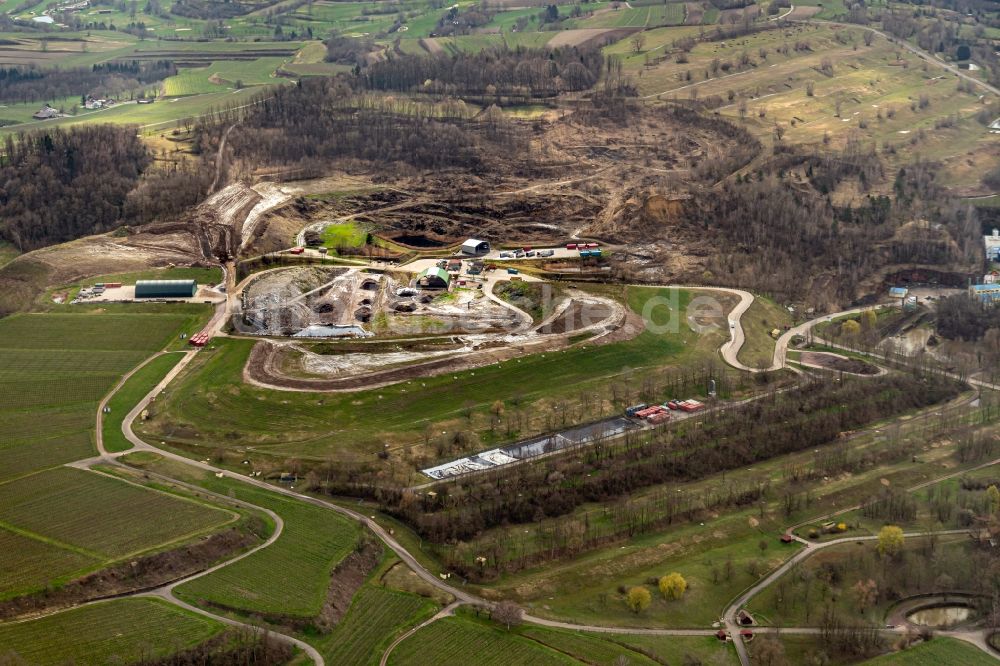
(165, 288)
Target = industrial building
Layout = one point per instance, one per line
(988, 294)
(475, 247)
(433, 278)
(165, 289)
(992, 243)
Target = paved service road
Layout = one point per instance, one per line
(729, 351)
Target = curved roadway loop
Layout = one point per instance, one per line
(729, 352)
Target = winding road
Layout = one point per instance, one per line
(729, 352)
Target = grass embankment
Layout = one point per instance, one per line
(199, 275)
(758, 322)
(129, 395)
(288, 578)
(935, 653)
(211, 403)
(122, 631)
(7, 253)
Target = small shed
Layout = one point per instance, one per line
(786, 538)
(165, 289)
(475, 247)
(433, 278)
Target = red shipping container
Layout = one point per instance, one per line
(570, 246)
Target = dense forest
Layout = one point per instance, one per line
(112, 79)
(785, 240)
(348, 50)
(966, 318)
(518, 72)
(59, 185)
(213, 9)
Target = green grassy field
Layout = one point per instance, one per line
(675, 649)
(291, 576)
(585, 647)
(129, 395)
(467, 639)
(29, 563)
(162, 115)
(210, 399)
(345, 234)
(108, 518)
(120, 631)
(869, 92)
(376, 617)
(225, 74)
(55, 369)
(937, 652)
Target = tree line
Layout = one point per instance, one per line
(779, 423)
(319, 121)
(32, 84)
(521, 72)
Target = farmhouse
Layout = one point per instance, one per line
(165, 288)
(91, 103)
(475, 247)
(433, 278)
(45, 113)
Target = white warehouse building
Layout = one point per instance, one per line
(475, 247)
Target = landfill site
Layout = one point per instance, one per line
(329, 302)
(421, 319)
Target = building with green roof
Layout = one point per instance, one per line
(165, 289)
(433, 278)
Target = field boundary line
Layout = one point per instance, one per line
(62, 545)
